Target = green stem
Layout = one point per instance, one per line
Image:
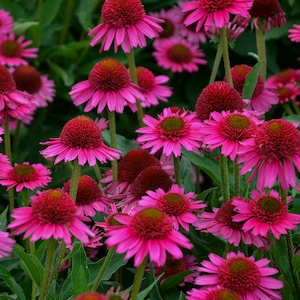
(97, 172)
(138, 279)
(25, 197)
(224, 177)
(216, 64)
(295, 106)
(74, 179)
(133, 75)
(113, 141)
(67, 18)
(236, 178)
(58, 261)
(176, 169)
(261, 51)
(108, 257)
(226, 60)
(48, 266)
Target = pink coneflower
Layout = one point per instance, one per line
(227, 130)
(233, 31)
(125, 24)
(209, 12)
(109, 84)
(220, 223)
(151, 87)
(80, 138)
(129, 167)
(13, 52)
(113, 293)
(272, 154)
(91, 296)
(52, 214)
(6, 243)
(177, 55)
(5, 164)
(89, 197)
(175, 203)
(26, 176)
(28, 79)
(172, 130)
(264, 214)
(294, 33)
(215, 293)
(243, 275)
(6, 22)
(218, 96)
(263, 97)
(148, 232)
(13, 102)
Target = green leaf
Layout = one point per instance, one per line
(154, 293)
(30, 264)
(84, 13)
(67, 77)
(51, 295)
(20, 28)
(3, 219)
(185, 167)
(173, 281)
(11, 283)
(251, 81)
(143, 294)
(66, 289)
(205, 193)
(50, 10)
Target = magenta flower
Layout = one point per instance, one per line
(6, 244)
(215, 293)
(14, 52)
(80, 138)
(41, 88)
(175, 203)
(243, 275)
(221, 223)
(6, 22)
(109, 84)
(89, 197)
(26, 176)
(265, 214)
(227, 130)
(294, 33)
(172, 130)
(125, 24)
(53, 213)
(272, 154)
(209, 12)
(5, 164)
(148, 232)
(177, 55)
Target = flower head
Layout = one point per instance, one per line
(243, 275)
(176, 204)
(53, 213)
(80, 138)
(218, 96)
(227, 130)
(209, 12)
(148, 232)
(265, 214)
(215, 293)
(13, 52)
(172, 130)
(178, 55)
(125, 24)
(294, 33)
(6, 22)
(221, 223)
(272, 153)
(89, 197)
(25, 176)
(91, 296)
(6, 244)
(109, 84)
(28, 79)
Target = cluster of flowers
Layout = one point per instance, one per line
(147, 213)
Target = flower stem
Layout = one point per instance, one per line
(97, 172)
(236, 178)
(132, 69)
(74, 179)
(58, 261)
(224, 177)
(66, 23)
(261, 51)
(108, 257)
(138, 279)
(216, 64)
(47, 272)
(176, 169)
(113, 141)
(226, 60)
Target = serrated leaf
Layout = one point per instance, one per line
(30, 264)
(251, 81)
